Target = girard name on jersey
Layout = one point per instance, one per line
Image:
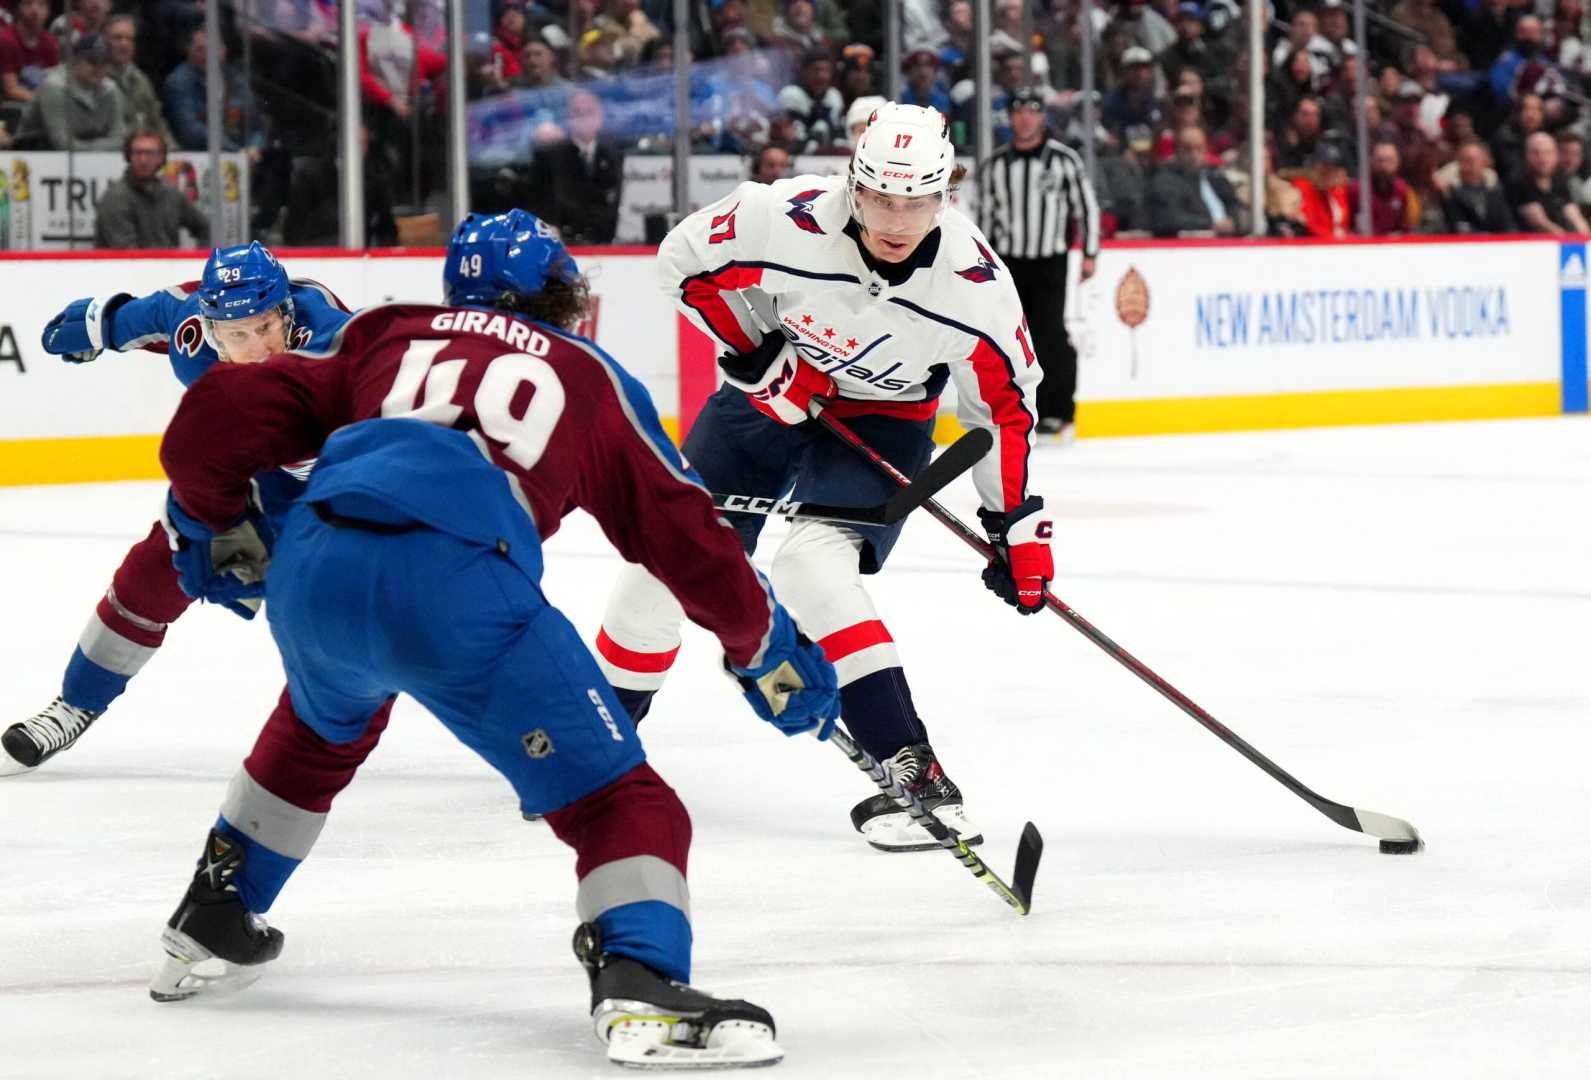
(511, 332)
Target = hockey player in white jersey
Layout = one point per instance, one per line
(866, 292)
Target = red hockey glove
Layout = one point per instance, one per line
(1022, 565)
(788, 396)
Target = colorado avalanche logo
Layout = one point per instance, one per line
(801, 212)
(188, 338)
(983, 269)
(301, 337)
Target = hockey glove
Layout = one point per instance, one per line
(226, 568)
(788, 398)
(794, 688)
(81, 331)
(777, 381)
(1022, 564)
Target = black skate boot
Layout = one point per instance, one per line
(652, 1022)
(211, 923)
(889, 828)
(39, 738)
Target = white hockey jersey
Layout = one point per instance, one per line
(778, 256)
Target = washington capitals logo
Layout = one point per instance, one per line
(801, 213)
(983, 269)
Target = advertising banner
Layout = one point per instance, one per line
(1279, 323)
(48, 199)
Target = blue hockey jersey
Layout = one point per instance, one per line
(168, 321)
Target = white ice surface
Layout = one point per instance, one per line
(1398, 616)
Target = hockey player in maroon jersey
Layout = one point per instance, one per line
(451, 442)
(868, 291)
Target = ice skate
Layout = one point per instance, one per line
(211, 927)
(651, 1022)
(39, 738)
(889, 828)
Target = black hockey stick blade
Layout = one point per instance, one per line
(1029, 850)
(956, 459)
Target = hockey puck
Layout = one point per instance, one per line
(1401, 847)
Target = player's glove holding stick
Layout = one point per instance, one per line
(80, 331)
(777, 381)
(1022, 565)
(794, 688)
(227, 567)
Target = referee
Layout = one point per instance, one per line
(1031, 193)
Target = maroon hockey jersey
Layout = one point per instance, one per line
(566, 424)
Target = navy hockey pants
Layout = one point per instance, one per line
(740, 451)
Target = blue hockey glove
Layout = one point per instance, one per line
(81, 330)
(226, 568)
(794, 688)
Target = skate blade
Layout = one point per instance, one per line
(180, 978)
(647, 1042)
(899, 833)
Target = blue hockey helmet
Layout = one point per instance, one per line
(240, 282)
(513, 253)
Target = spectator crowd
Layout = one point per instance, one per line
(1476, 109)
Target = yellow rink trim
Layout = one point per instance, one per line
(84, 460)
(1320, 408)
(95, 459)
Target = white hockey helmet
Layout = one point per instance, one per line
(904, 153)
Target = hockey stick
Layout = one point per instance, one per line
(1019, 894)
(956, 459)
(1396, 835)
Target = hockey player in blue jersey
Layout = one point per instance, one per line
(242, 309)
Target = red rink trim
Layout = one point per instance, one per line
(853, 639)
(704, 294)
(630, 660)
(1000, 393)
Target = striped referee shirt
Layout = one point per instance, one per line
(1029, 200)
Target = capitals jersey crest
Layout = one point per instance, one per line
(800, 211)
(982, 270)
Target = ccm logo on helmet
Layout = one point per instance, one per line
(897, 175)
